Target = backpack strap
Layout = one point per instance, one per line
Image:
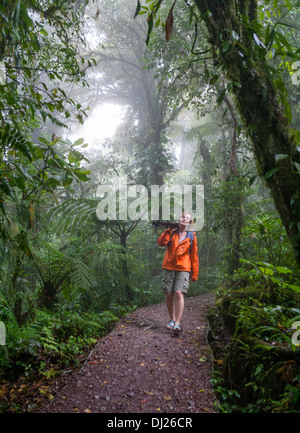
(174, 231)
(191, 236)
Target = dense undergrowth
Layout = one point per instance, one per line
(43, 348)
(257, 353)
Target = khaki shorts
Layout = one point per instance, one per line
(175, 281)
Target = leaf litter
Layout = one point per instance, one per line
(149, 369)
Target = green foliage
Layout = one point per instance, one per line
(28, 184)
(53, 250)
(34, 41)
(39, 51)
(264, 239)
(72, 213)
(53, 265)
(259, 306)
(228, 398)
(53, 336)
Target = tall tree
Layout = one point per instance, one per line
(145, 80)
(236, 39)
(240, 46)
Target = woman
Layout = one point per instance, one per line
(180, 262)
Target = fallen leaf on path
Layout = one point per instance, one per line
(21, 388)
(43, 389)
(87, 411)
(167, 397)
(203, 359)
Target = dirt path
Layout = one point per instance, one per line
(140, 367)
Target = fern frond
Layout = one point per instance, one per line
(81, 275)
(72, 213)
(13, 138)
(48, 341)
(55, 266)
(6, 312)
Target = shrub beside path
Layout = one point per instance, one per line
(141, 367)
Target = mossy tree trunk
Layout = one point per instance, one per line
(235, 186)
(236, 51)
(207, 182)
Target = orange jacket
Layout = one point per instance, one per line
(177, 256)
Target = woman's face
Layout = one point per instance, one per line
(185, 219)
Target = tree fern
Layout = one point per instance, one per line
(70, 214)
(57, 270)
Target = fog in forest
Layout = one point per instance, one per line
(146, 98)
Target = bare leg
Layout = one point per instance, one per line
(179, 307)
(170, 305)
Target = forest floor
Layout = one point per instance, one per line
(142, 367)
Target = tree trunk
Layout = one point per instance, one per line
(48, 295)
(206, 181)
(237, 186)
(258, 105)
(124, 266)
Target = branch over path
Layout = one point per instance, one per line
(142, 367)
